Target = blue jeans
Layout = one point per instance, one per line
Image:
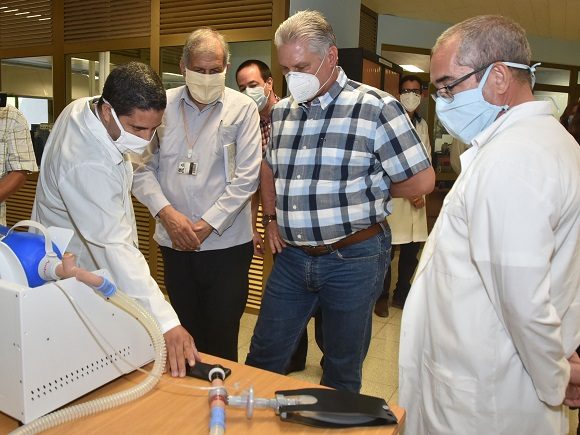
(345, 285)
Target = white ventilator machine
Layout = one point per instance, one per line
(59, 339)
(65, 331)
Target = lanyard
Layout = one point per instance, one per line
(189, 143)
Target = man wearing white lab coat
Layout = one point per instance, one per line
(85, 181)
(493, 318)
(408, 220)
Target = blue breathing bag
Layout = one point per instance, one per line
(30, 248)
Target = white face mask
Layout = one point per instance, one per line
(410, 101)
(205, 88)
(128, 142)
(304, 86)
(257, 94)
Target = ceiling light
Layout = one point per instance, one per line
(412, 68)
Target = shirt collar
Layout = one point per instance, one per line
(96, 126)
(514, 114)
(266, 119)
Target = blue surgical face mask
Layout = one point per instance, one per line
(257, 94)
(469, 114)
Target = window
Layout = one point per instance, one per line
(552, 76)
(559, 100)
(35, 110)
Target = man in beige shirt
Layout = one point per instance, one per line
(16, 154)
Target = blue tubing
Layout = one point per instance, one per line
(107, 288)
(218, 417)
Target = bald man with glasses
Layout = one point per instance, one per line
(492, 321)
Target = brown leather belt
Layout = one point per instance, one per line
(359, 236)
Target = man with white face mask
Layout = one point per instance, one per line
(339, 149)
(492, 322)
(255, 79)
(198, 185)
(408, 221)
(85, 185)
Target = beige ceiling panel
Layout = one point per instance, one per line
(523, 13)
(572, 18)
(556, 19)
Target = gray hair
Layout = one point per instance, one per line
(486, 39)
(307, 26)
(202, 41)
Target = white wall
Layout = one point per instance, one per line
(343, 16)
(422, 34)
(242, 51)
(37, 82)
(555, 50)
(27, 81)
(407, 32)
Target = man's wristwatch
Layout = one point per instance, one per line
(267, 218)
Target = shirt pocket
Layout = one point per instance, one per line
(349, 161)
(227, 135)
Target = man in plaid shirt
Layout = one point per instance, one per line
(339, 151)
(16, 154)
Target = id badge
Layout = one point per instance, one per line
(187, 168)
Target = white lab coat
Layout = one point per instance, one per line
(409, 224)
(494, 311)
(84, 184)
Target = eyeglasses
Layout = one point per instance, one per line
(445, 93)
(411, 91)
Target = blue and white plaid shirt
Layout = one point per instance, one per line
(333, 161)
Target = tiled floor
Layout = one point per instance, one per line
(380, 369)
(380, 372)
